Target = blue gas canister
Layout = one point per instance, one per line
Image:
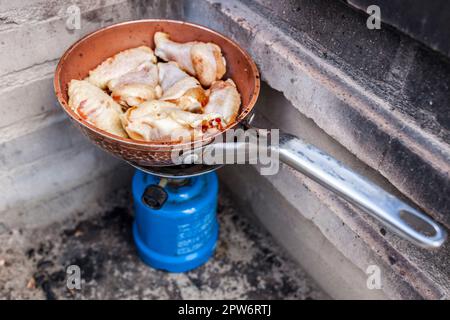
(175, 227)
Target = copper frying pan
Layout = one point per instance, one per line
(91, 50)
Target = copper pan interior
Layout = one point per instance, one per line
(91, 50)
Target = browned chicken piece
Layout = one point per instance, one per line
(137, 86)
(95, 106)
(224, 99)
(180, 88)
(120, 64)
(202, 60)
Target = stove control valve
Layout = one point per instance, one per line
(154, 196)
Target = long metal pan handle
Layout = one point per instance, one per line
(388, 209)
(395, 214)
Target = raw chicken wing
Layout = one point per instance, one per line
(95, 106)
(180, 88)
(120, 64)
(225, 100)
(137, 86)
(199, 59)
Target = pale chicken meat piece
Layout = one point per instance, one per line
(202, 60)
(120, 64)
(199, 122)
(137, 86)
(133, 94)
(95, 106)
(180, 88)
(160, 120)
(170, 73)
(149, 122)
(224, 99)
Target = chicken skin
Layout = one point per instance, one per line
(160, 120)
(95, 106)
(120, 64)
(201, 60)
(137, 86)
(224, 99)
(180, 88)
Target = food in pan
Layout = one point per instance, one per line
(133, 95)
(137, 86)
(224, 99)
(199, 59)
(180, 88)
(121, 64)
(152, 121)
(95, 106)
(161, 120)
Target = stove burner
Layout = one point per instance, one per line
(178, 171)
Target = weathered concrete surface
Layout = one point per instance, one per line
(378, 94)
(48, 170)
(47, 35)
(408, 76)
(332, 240)
(247, 264)
(428, 22)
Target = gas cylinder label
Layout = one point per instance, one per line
(192, 236)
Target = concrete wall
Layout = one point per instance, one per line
(379, 94)
(48, 170)
(356, 93)
(333, 241)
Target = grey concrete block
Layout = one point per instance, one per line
(54, 173)
(48, 170)
(408, 272)
(86, 197)
(50, 139)
(427, 22)
(18, 13)
(48, 38)
(24, 97)
(350, 104)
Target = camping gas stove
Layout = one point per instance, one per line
(175, 227)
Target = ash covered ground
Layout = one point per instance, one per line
(247, 263)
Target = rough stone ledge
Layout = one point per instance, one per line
(424, 21)
(31, 186)
(30, 125)
(411, 79)
(87, 194)
(31, 99)
(413, 160)
(11, 81)
(407, 272)
(16, 14)
(50, 139)
(49, 38)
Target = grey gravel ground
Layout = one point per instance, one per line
(246, 265)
